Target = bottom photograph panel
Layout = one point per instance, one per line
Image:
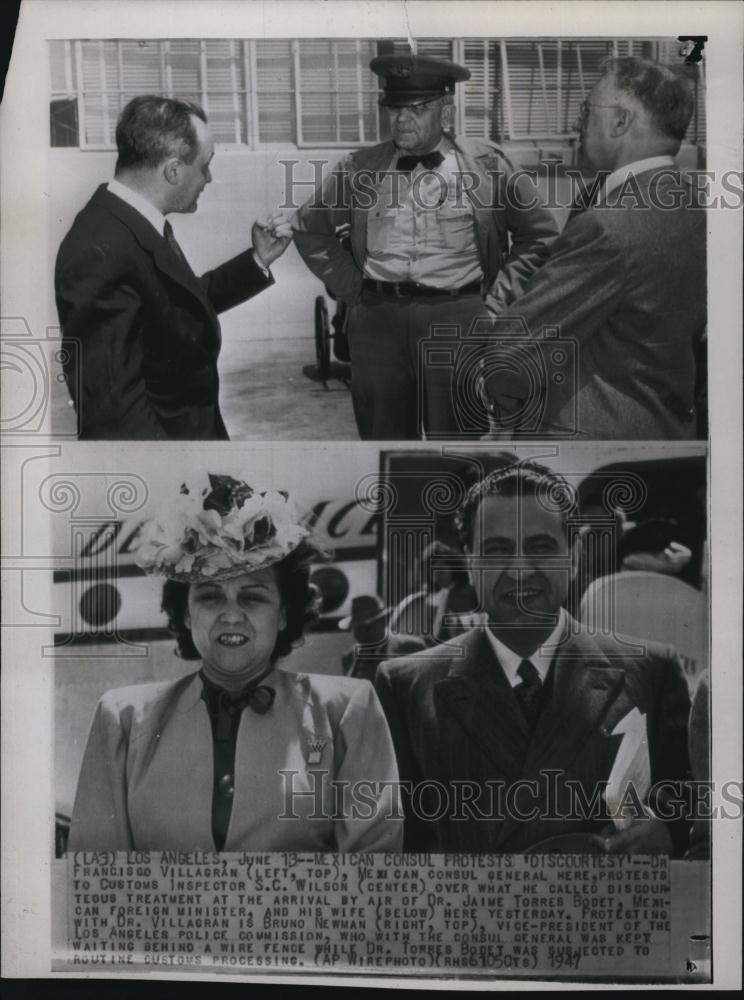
(415, 711)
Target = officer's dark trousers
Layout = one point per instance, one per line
(414, 366)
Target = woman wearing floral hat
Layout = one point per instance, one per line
(241, 755)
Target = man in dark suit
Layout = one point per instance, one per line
(625, 283)
(528, 728)
(144, 326)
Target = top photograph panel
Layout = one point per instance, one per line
(385, 239)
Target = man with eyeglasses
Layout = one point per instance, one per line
(625, 282)
(438, 224)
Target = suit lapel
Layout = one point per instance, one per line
(154, 244)
(477, 695)
(584, 687)
(583, 690)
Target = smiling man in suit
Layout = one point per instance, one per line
(144, 325)
(517, 731)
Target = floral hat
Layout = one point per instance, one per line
(220, 532)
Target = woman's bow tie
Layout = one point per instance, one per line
(226, 706)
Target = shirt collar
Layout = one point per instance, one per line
(619, 176)
(136, 201)
(540, 659)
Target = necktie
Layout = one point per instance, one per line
(225, 710)
(406, 164)
(529, 692)
(172, 242)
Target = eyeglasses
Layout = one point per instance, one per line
(417, 110)
(585, 105)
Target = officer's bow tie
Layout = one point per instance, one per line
(406, 164)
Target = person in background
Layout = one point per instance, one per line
(652, 546)
(373, 641)
(444, 604)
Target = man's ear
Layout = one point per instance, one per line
(622, 119)
(172, 170)
(447, 117)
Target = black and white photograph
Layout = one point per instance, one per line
(426, 298)
(507, 665)
(371, 452)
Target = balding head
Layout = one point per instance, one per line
(637, 109)
(663, 94)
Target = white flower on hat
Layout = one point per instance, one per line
(221, 531)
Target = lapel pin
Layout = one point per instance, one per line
(315, 746)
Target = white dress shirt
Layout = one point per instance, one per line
(154, 216)
(619, 176)
(140, 204)
(540, 659)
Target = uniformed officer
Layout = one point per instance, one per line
(439, 227)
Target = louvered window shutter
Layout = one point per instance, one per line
(316, 92)
(274, 82)
(224, 90)
(337, 92)
(480, 97)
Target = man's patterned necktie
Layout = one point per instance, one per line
(529, 692)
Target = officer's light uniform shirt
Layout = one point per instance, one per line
(422, 227)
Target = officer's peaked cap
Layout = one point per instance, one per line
(412, 79)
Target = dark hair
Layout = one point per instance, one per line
(665, 95)
(299, 598)
(152, 128)
(521, 479)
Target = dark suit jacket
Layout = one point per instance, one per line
(145, 362)
(454, 717)
(626, 286)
